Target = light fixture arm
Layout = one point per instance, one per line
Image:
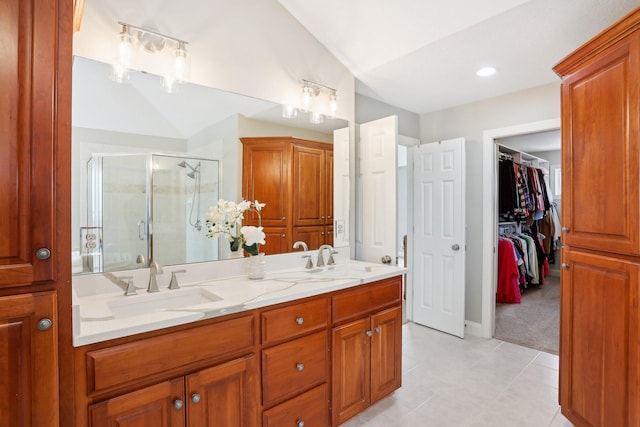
(151, 32)
(317, 87)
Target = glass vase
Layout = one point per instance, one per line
(256, 266)
(237, 254)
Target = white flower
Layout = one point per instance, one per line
(253, 235)
(258, 206)
(215, 215)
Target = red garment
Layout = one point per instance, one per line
(508, 274)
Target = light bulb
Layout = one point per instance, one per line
(181, 63)
(333, 104)
(124, 56)
(316, 118)
(306, 97)
(169, 84)
(289, 111)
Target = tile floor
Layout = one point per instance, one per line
(475, 382)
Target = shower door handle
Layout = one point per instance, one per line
(141, 227)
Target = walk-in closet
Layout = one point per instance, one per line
(528, 241)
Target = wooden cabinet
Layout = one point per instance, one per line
(35, 264)
(295, 363)
(218, 396)
(29, 363)
(294, 177)
(600, 313)
(206, 375)
(600, 326)
(366, 351)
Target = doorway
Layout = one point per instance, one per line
(489, 214)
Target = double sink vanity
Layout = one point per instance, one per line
(301, 347)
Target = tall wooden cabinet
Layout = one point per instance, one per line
(600, 315)
(35, 111)
(294, 177)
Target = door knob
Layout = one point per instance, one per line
(386, 259)
(43, 253)
(300, 367)
(44, 324)
(565, 229)
(456, 247)
(299, 320)
(195, 398)
(369, 333)
(300, 423)
(377, 329)
(178, 404)
(565, 266)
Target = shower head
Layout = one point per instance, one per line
(184, 164)
(192, 174)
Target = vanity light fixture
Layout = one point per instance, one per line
(131, 37)
(312, 89)
(289, 111)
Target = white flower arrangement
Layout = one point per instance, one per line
(225, 219)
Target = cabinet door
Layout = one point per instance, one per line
(27, 131)
(277, 241)
(28, 361)
(600, 131)
(313, 236)
(308, 186)
(328, 186)
(351, 367)
(599, 359)
(386, 353)
(265, 177)
(160, 405)
(225, 395)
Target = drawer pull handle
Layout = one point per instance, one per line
(195, 398)
(565, 265)
(300, 423)
(369, 333)
(300, 367)
(44, 324)
(299, 320)
(178, 404)
(377, 329)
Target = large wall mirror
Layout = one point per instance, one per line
(148, 164)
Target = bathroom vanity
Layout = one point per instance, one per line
(299, 348)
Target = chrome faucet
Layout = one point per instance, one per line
(154, 269)
(173, 284)
(332, 251)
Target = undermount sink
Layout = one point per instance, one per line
(146, 303)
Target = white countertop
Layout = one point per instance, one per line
(105, 313)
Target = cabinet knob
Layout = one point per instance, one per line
(328, 216)
(377, 329)
(178, 404)
(369, 333)
(565, 229)
(284, 235)
(300, 423)
(195, 398)
(44, 324)
(565, 265)
(43, 253)
(300, 367)
(284, 218)
(321, 216)
(299, 320)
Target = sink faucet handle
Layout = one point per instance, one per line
(173, 284)
(131, 289)
(331, 261)
(309, 264)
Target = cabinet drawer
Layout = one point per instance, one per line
(311, 408)
(129, 362)
(294, 320)
(366, 299)
(292, 367)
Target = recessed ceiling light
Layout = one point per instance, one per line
(486, 72)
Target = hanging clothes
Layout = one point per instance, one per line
(508, 290)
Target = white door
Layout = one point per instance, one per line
(341, 187)
(376, 189)
(439, 236)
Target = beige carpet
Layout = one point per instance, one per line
(535, 322)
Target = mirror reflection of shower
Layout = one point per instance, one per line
(195, 200)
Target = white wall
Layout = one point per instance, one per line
(368, 109)
(469, 121)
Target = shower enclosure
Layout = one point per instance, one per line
(144, 207)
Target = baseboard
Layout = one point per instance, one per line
(473, 328)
